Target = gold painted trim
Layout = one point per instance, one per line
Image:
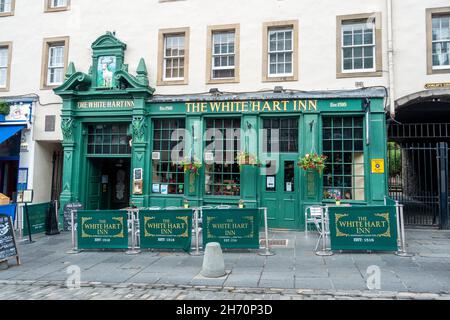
(337, 217)
(210, 31)
(10, 13)
(44, 64)
(430, 12)
(387, 234)
(378, 46)
(295, 55)
(160, 72)
(8, 45)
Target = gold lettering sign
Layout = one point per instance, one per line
(252, 106)
(105, 104)
(443, 85)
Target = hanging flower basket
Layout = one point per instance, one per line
(312, 161)
(191, 165)
(246, 159)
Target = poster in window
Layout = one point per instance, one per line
(164, 189)
(138, 174)
(270, 182)
(105, 70)
(155, 188)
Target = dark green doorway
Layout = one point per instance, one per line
(280, 193)
(108, 183)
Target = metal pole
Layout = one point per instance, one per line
(266, 230)
(74, 249)
(402, 252)
(324, 251)
(133, 234)
(28, 224)
(197, 246)
(399, 234)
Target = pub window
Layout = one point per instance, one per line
(223, 54)
(56, 5)
(280, 135)
(6, 7)
(54, 63)
(280, 52)
(342, 141)
(108, 139)
(5, 61)
(222, 176)
(168, 175)
(441, 41)
(358, 45)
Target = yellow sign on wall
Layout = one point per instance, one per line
(377, 165)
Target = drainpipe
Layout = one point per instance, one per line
(391, 60)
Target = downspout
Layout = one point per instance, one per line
(391, 60)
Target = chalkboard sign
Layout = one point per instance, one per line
(68, 208)
(8, 246)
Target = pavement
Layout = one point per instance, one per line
(294, 272)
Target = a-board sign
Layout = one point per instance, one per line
(232, 228)
(67, 212)
(38, 215)
(363, 228)
(165, 229)
(8, 247)
(102, 229)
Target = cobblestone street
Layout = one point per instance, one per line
(42, 290)
(295, 272)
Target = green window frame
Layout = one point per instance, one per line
(108, 139)
(343, 144)
(223, 176)
(287, 134)
(167, 175)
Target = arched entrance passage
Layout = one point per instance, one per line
(418, 147)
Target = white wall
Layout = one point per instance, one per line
(137, 25)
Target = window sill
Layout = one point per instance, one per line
(50, 87)
(48, 10)
(219, 81)
(6, 14)
(279, 79)
(172, 82)
(439, 71)
(358, 74)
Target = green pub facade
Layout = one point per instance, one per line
(124, 145)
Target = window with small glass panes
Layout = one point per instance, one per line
(223, 176)
(167, 173)
(343, 144)
(108, 139)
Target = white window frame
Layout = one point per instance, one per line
(5, 67)
(363, 45)
(445, 67)
(165, 57)
(50, 66)
(220, 55)
(270, 31)
(6, 4)
(55, 4)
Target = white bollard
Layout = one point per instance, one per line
(213, 263)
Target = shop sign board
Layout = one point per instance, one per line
(68, 209)
(363, 228)
(232, 228)
(102, 229)
(165, 229)
(38, 215)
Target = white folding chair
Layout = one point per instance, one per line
(311, 213)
